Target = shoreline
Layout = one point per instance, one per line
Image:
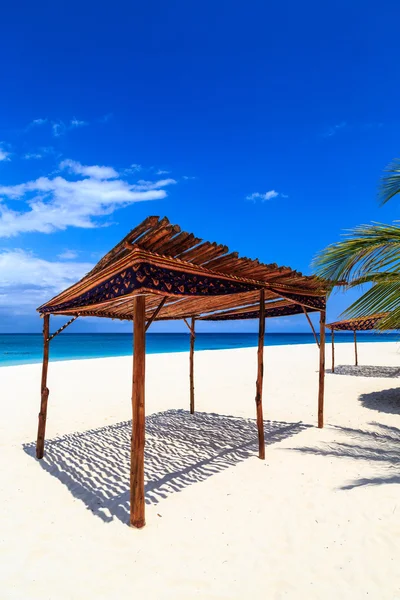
(203, 343)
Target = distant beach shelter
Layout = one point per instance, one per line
(358, 324)
(158, 272)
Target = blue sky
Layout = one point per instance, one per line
(264, 126)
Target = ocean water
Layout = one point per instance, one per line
(16, 349)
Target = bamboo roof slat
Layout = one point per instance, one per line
(357, 324)
(179, 244)
(195, 277)
(134, 234)
(218, 263)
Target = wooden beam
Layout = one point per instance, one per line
(260, 375)
(137, 516)
(333, 349)
(321, 383)
(44, 391)
(355, 348)
(186, 323)
(62, 328)
(191, 365)
(311, 325)
(155, 313)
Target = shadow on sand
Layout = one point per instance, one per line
(381, 445)
(366, 371)
(181, 449)
(387, 401)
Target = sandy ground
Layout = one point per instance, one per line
(318, 519)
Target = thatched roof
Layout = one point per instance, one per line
(357, 324)
(184, 277)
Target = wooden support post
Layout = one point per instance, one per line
(333, 349)
(321, 386)
(137, 517)
(311, 325)
(44, 391)
(260, 375)
(355, 348)
(191, 366)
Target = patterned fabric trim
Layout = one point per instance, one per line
(154, 278)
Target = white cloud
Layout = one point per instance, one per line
(335, 129)
(188, 178)
(94, 171)
(27, 281)
(77, 123)
(32, 156)
(161, 172)
(153, 185)
(57, 203)
(4, 155)
(37, 122)
(135, 168)
(68, 255)
(58, 128)
(266, 196)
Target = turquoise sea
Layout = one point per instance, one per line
(18, 349)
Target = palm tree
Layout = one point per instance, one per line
(369, 254)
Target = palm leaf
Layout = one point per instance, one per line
(390, 183)
(383, 297)
(388, 277)
(366, 249)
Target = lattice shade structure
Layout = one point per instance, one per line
(158, 272)
(357, 324)
(196, 279)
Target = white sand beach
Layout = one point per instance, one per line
(318, 519)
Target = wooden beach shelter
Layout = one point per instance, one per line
(158, 272)
(358, 324)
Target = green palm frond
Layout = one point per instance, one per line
(388, 277)
(392, 321)
(390, 183)
(366, 249)
(382, 297)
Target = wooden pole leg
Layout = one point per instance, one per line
(260, 376)
(137, 504)
(355, 349)
(44, 391)
(321, 384)
(333, 350)
(191, 360)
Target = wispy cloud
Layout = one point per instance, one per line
(264, 196)
(26, 281)
(335, 129)
(161, 172)
(32, 156)
(4, 155)
(188, 177)
(55, 203)
(58, 126)
(153, 185)
(95, 171)
(37, 122)
(106, 118)
(77, 123)
(68, 255)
